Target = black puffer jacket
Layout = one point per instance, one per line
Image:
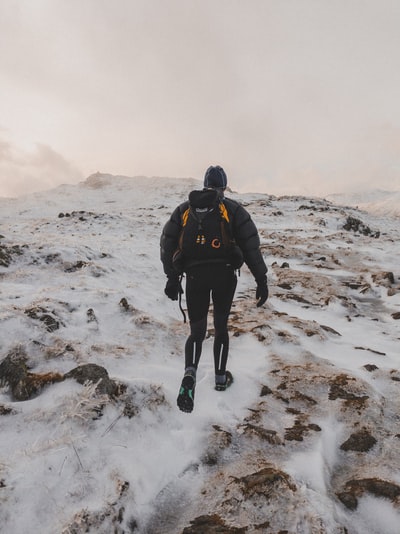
(243, 230)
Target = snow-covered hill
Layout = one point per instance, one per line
(375, 201)
(306, 440)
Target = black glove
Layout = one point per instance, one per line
(173, 288)
(261, 291)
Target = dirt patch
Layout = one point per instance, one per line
(211, 524)
(264, 481)
(23, 384)
(374, 486)
(361, 441)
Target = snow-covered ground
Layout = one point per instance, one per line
(306, 440)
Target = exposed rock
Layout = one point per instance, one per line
(95, 374)
(73, 267)
(375, 486)
(47, 318)
(91, 316)
(265, 434)
(356, 225)
(211, 524)
(6, 410)
(385, 278)
(396, 315)
(265, 390)
(298, 430)
(7, 253)
(284, 285)
(338, 391)
(370, 367)
(262, 481)
(124, 304)
(330, 330)
(361, 441)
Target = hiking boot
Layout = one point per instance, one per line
(185, 400)
(226, 384)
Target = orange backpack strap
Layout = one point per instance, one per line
(185, 216)
(223, 211)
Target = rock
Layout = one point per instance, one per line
(261, 482)
(357, 226)
(330, 330)
(284, 285)
(265, 390)
(384, 278)
(94, 373)
(396, 315)
(72, 268)
(41, 314)
(124, 304)
(370, 367)
(91, 316)
(361, 441)
(374, 486)
(338, 391)
(7, 253)
(6, 410)
(297, 431)
(265, 434)
(211, 524)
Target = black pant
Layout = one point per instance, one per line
(217, 281)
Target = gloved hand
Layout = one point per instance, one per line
(261, 291)
(173, 288)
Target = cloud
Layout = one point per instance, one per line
(23, 171)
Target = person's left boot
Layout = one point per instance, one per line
(222, 385)
(185, 400)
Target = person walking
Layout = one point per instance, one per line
(208, 237)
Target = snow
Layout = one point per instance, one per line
(377, 201)
(59, 462)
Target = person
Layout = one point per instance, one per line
(207, 279)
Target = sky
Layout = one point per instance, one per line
(289, 96)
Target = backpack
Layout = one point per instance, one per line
(206, 235)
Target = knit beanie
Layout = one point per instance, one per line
(215, 178)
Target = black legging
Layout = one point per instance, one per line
(219, 282)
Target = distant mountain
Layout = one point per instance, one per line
(376, 201)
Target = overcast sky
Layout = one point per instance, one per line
(289, 96)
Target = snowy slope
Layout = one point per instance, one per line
(376, 201)
(306, 440)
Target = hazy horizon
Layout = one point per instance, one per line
(289, 97)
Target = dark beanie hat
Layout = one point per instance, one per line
(215, 177)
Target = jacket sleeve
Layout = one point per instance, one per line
(246, 236)
(169, 241)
